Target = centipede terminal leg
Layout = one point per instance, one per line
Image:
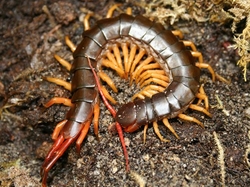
(113, 112)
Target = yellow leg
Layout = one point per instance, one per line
(151, 87)
(111, 10)
(108, 96)
(125, 58)
(137, 59)
(148, 73)
(70, 44)
(60, 82)
(198, 55)
(167, 124)
(207, 66)
(145, 133)
(107, 63)
(139, 96)
(157, 132)
(191, 45)
(132, 53)
(116, 51)
(189, 118)
(63, 62)
(145, 93)
(86, 21)
(155, 80)
(145, 75)
(200, 109)
(178, 33)
(139, 68)
(108, 80)
(129, 11)
(156, 76)
(145, 68)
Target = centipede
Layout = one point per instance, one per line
(166, 68)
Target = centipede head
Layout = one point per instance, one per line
(126, 117)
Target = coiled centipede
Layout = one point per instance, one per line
(143, 51)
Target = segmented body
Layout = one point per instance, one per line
(162, 44)
(143, 51)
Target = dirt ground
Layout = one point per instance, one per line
(217, 155)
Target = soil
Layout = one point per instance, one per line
(29, 39)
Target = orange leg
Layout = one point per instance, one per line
(58, 100)
(58, 129)
(107, 95)
(137, 59)
(125, 58)
(108, 80)
(207, 66)
(191, 45)
(178, 33)
(198, 55)
(109, 64)
(116, 52)
(131, 57)
(167, 124)
(82, 136)
(96, 118)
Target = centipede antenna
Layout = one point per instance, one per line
(113, 112)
